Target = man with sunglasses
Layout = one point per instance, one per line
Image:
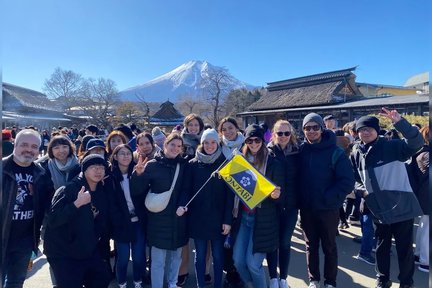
(326, 177)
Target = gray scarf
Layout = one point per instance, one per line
(60, 172)
(191, 141)
(229, 146)
(208, 159)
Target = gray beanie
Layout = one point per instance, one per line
(209, 134)
(313, 117)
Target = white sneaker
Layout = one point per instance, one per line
(283, 284)
(138, 284)
(274, 283)
(329, 286)
(124, 285)
(314, 284)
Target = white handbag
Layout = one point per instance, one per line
(157, 202)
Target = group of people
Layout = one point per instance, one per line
(142, 193)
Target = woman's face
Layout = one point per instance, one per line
(229, 131)
(173, 148)
(123, 157)
(144, 146)
(193, 127)
(210, 146)
(280, 135)
(254, 144)
(60, 152)
(115, 141)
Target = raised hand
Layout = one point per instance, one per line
(83, 198)
(140, 166)
(393, 115)
(276, 193)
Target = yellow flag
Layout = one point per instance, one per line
(247, 182)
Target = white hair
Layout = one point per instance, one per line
(27, 132)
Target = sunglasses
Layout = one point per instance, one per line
(256, 140)
(286, 133)
(312, 127)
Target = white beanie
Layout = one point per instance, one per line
(209, 134)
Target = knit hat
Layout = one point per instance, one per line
(209, 134)
(368, 121)
(85, 141)
(313, 117)
(158, 136)
(92, 159)
(93, 143)
(6, 134)
(254, 130)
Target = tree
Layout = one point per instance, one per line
(238, 100)
(99, 99)
(65, 86)
(128, 112)
(189, 104)
(216, 85)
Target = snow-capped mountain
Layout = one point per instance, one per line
(183, 80)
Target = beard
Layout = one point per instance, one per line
(25, 159)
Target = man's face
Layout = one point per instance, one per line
(312, 131)
(26, 150)
(330, 124)
(95, 173)
(367, 134)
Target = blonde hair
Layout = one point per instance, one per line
(293, 139)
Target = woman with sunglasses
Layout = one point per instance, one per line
(127, 222)
(258, 231)
(284, 145)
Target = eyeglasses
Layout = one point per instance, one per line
(312, 127)
(97, 168)
(286, 133)
(256, 140)
(124, 154)
(369, 130)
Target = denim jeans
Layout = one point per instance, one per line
(173, 260)
(200, 260)
(248, 264)
(18, 254)
(138, 255)
(367, 229)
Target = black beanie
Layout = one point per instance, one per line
(254, 130)
(92, 159)
(368, 121)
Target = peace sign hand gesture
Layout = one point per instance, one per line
(140, 166)
(393, 115)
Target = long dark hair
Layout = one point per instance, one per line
(115, 169)
(260, 157)
(60, 140)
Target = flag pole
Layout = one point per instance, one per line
(211, 175)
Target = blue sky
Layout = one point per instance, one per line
(134, 41)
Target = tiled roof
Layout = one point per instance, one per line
(26, 97)
(167, 111)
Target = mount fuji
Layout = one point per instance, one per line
(183, 80)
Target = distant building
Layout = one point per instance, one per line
(23, 107)
(166, 117)
(334, 92)
(379, 90)
(419, 82)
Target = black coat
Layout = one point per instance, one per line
(165, 230)
(73, 232)
(324, 185)
(213, 206)
(290, 193)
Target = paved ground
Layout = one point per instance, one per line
(352, 272)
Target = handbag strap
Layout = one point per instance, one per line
(175, 177)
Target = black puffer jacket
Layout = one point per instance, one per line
(74, 232)
(165, 230)
(289, 196)
(213, 206)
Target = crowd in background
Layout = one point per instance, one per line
(87, 187)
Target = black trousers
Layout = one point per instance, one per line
(403, 235)
(73, 273)
(321, 226)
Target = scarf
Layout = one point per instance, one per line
(60, 172)
(229, 146)
(191, 141)
(208, 159)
